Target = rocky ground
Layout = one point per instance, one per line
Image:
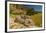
(21, 22)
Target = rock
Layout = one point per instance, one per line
(19, 19)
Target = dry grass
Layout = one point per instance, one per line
(37, 18)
